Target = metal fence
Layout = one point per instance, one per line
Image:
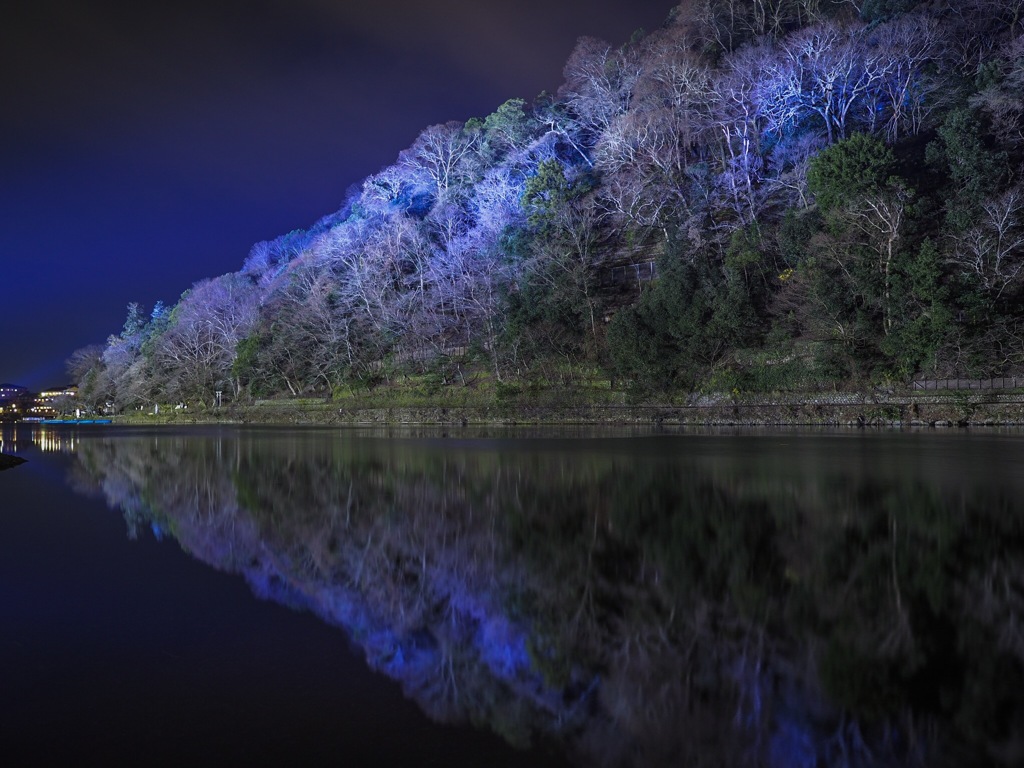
(628, 275)
(980, 384)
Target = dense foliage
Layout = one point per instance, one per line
(756, 196)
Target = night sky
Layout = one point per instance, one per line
(141, 152)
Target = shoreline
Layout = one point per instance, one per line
(839, 409)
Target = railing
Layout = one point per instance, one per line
(625, 275)
(979, 384)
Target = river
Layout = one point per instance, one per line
(513, 597)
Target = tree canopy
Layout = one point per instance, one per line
(753, 196)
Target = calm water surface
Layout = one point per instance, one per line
(775, 598)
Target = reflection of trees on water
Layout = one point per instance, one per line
(646, 610)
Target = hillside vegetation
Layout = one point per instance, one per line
(758, 196)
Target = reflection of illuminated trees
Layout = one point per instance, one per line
(633, 607)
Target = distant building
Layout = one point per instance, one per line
(54, 402)
(15, 400)
(49, 395)
(12, 391)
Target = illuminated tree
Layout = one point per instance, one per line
(599, 82)
(126, 375)
(444, 154)
(507, 130)
(496, 202)
(194, 356)
(821, 71)
(644, 153)
(86, 369)
(737, 124)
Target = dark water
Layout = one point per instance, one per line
(776, 598)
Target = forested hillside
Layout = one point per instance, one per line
(760, 195)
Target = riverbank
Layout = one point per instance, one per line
(947, 409)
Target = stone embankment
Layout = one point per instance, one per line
(818, 409)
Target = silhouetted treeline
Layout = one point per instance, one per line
(825, 193)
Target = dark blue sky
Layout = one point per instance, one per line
(143, 150)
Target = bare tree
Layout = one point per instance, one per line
(327, 334)
(882, 217)
(820, 71)
(737, 120)
(992, 251)
(496, 202)
(729, 24)
(195, 355)
(979, 27)
(644, 153)
(902, 94)
(385, 190)
(599, 82)
(1002, 101)
(443, 153)
(788, 164)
